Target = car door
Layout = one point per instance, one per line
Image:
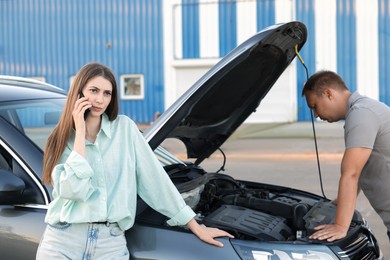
(22, 219)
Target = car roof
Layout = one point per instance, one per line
(18, 88)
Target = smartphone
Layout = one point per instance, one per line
(86, 111)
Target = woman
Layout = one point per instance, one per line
(97, 163)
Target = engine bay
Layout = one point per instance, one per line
(249, 210)
(253, 211)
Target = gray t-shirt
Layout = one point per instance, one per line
(367, 125)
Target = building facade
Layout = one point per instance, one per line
(159, 48)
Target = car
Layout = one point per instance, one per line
(268, 221)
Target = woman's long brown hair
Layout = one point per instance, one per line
(58, 139)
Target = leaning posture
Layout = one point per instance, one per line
(366, 162)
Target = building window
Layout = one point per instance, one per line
(132, 86)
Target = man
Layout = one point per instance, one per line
(366, 161)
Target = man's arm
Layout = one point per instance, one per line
(352, 165)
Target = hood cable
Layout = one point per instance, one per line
(312, 123)
(224, 161)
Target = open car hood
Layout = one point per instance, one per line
(220, 101)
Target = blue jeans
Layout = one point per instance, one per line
(83, 241)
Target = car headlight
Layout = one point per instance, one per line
(275, 251)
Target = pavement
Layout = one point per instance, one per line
(287, 140)
(290, 130)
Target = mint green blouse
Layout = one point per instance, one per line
(104, 186)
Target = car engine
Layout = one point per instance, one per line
(260, 212)
(257, 213)
(253, 211)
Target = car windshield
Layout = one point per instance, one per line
(35, 118)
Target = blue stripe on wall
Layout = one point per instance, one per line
(305, 14)
(346, 42)
(384, 53)
(227, 26)
(190, 29)
(265, 13)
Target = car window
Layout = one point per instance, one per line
(35, 118)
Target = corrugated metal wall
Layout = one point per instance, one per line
(53, 39)
(348, 36)
(227, 24)
(306, 12)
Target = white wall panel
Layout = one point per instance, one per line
(284, 11)
(367, 48)
(280, 104)
(209, 29)
(171, 22)
(325, 34)
(175, 17)
(187, 72)
(246, 20)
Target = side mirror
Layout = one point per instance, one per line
(11, 188)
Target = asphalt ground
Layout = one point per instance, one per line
(285, 154)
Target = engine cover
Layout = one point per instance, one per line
(249, 222)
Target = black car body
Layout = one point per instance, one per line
(269, 222)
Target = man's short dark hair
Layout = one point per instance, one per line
(321, 80)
